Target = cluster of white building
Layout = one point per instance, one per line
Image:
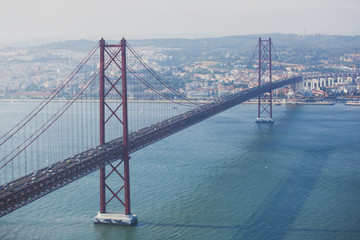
(337, 82)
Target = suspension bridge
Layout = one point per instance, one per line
(93, 121)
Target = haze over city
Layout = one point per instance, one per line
(233, 119)
(42, 20)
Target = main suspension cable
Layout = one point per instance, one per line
(150, 86)
(47, 100)
(157, 77)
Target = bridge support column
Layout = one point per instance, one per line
(264, 72)
(295, 92)
(114, 90)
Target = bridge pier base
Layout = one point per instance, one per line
(264, 120)
(116, 219)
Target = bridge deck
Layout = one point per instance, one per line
(33, 186)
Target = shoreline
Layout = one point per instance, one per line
(311, 103)
(83, 100)
(162, 101)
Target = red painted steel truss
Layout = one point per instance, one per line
(113, 109)
(264, 76)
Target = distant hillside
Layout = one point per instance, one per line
(247, 43)
(233, 42)
(76, 45)
(310, 50)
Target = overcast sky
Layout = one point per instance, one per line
(49, 20)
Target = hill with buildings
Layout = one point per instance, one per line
(212, 65)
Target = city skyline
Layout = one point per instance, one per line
(61, 20)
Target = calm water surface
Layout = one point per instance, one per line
(224, 178)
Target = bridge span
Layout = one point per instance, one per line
(33, 186)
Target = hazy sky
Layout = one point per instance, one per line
(22, 20)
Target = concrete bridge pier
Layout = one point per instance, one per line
(116, 219)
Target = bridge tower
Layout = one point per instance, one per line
(113, 109)
(265, 77)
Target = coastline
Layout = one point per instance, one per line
(352, 103)
(83, 100)
(130, 101)
(312, 103)
(10, 100)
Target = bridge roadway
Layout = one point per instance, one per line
(24, 190)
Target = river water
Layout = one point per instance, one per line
(224, 178)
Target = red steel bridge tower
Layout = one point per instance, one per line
(113, 107)
(265, 76)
